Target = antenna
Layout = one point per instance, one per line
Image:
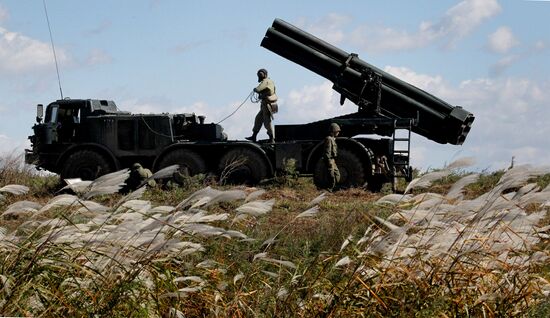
(53, 49)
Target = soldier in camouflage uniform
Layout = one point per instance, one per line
(138, 175)
(331, 152)
(266, 91)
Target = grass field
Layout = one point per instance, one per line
(456, 244)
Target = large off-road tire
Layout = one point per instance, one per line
(86, 165)
(242, 166)
(352, 173)
(189, 161)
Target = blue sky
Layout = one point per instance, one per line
(489, 56)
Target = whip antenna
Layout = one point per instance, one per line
(53, 49)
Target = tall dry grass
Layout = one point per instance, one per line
(245, 252)
(14, 171)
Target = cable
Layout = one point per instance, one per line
(160, 134)
(241, 105)
(53, 49)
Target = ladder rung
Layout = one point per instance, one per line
(401, 151)
(401, 139)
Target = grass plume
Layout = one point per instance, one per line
(456, 244)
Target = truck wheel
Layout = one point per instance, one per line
(242, 166)
(86, 165)
(351, 170)
(190, 162)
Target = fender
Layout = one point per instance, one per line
(89, 146)
(344, 143)
(196, 147)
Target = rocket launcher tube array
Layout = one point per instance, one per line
(437, 120)
(340, 55)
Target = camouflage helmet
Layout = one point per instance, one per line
(136, 166)
(262, 71)
(334, 127)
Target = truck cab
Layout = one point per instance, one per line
(86, 138)
(60, 127)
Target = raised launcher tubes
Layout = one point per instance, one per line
(376, 92)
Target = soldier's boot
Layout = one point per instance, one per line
(253, 137)
(271, 139)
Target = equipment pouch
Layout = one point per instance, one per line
(273, 108)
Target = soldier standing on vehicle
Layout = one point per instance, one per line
(138, 175)
(331, 152)
(268, 106)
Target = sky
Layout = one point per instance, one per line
(156, 56)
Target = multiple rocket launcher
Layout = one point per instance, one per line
(377, 93)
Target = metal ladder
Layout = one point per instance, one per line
(401, 150)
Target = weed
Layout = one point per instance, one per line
(288, 176)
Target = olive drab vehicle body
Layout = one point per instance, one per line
(87, 138)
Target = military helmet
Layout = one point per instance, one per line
(136, 166)
(334, 127)
(262, 70)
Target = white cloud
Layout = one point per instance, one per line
(458, 22)
(312, 103)
(511, 118)
(502, 40)
(419, 155)
(328, 28)
(512, 96)
(20, 54)
(387, 39)
(463, 18)
(426, 82)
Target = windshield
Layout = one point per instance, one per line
(51, 113)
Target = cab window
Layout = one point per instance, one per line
(51, 113)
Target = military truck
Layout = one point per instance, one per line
(86, 138)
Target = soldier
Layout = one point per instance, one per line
(268, 106)
(138, 175)
(331, 152)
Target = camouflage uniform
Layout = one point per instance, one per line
(331, 152)
(137, 176)
(266, 90)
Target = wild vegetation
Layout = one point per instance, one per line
(455, 244)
